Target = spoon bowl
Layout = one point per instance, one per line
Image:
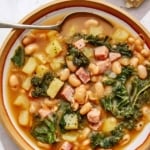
(57, 26)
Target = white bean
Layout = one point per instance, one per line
(140, 57)
(142, 71)
(86, 142)
(74, 81)
(99, 89)
(86, 131)
(29, 49)
(108, 90)
(28, 39)
(85, 108)
(134, 61)
(43, 145)
(124, 61)
(64, 74)
(13, 81)
(75, 106)
(145, 52)
(80, 94)
(126, 138)
(91, 96)
(91, 22)
(146, 112)
(71, 66)
(93, 69)
(139, 126)
(116, 67)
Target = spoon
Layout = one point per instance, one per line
(50, 27)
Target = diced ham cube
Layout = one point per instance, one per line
(83, 75)
(104, 65)
(79, 44)
(67, 93)
(101, 52)
(44, 112)
(93, 116)
(66, 146)
(114, 56)
(95, 126)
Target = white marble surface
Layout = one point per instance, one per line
(14, 10)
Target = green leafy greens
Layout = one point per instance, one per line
(121, 48)
(40, 84)
(78, 58)
(123, 104)
(44, 130)
(19, 57)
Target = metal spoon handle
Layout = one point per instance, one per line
(25, 26)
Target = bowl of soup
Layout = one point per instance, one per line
(85, 86)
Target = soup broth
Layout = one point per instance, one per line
(85, 87)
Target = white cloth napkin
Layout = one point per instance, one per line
(146, 20)
(13, 11)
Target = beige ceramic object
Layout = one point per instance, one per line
(38, 16)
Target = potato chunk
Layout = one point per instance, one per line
(54, 48)
(71, 121)
(26, 83)
(54, 87)
(22, 101)
(23, 118)
(120, 35)
(30, 66)
(109, 124)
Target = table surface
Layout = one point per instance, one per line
(138, 13)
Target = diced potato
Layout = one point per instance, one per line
(96, 30)
(71, 121)
(54, 87)
(120, 35)
(22, 101)
(23, 118)
(26, 83)
(30, 66)
(41, 57)
(54, 48)
(109, 124)
(57, 64)
(70, 136)
(88, 52)
(41, 70)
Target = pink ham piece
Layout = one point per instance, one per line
(114, 56)
(79, 44)
(103, 65)
(66, 146)
(67, 93)
(93, 116)
(83, 75)
(95, 126)
(101, 52)
(44, 112)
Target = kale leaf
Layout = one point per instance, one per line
(79, 59)
(40, 84)
(94, 40)
(106, 140)
(19, 57)
(44, 130)
(119, 103)
(123, 49)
